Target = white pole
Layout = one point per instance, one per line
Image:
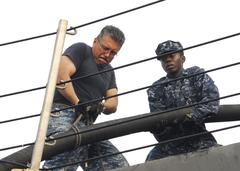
(49, 94)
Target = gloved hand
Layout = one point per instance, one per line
(80, 109)
(189, 117)
(89, 111)
(95, 108)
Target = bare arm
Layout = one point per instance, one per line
(66, 70)
(110, 105)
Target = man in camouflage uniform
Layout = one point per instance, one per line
(77, 61)
(163, 95)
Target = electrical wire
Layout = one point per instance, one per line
(20, 118)
(146, 146)
(121, 13)
(127, 121)
(99, 157)
(158, 113)
(14, 163)
(142, 88)
(147, 116)
(129, 150)
(124, 93)
(123, 66)
(86, 24)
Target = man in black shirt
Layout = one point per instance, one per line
(80, 60)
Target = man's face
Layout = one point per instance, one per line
(173, 63)
(104, 49)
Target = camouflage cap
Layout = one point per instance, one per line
(168, 46)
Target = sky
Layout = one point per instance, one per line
(26, 65)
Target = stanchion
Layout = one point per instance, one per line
(49, 94)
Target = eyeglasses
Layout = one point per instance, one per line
(107, 49)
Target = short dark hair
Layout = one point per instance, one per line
(115, 33)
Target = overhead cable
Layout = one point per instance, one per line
(86, 24)
(124, 93)
(126, 151)
(127, 121)
(142, 88)
(147, 116)
(14, 163)
(146, 146)
(123, 66)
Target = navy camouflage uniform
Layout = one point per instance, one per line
(61, 122)
(163, 95)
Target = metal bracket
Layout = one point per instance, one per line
(50, 142)
(61, 86)
(74, 31)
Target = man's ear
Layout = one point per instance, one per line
(183, 58)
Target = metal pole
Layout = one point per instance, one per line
(49, 94)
